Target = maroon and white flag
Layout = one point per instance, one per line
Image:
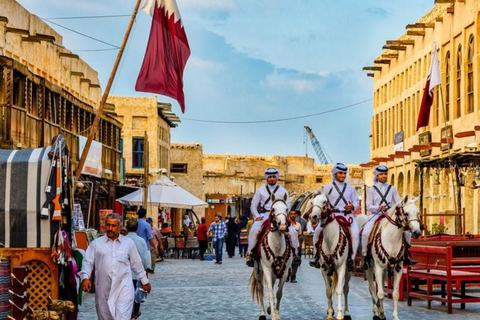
(167, 52)
(433, 80)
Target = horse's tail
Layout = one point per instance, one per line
(254, 285)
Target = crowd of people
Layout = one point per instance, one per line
(123, 258)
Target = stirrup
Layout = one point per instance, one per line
(366, 263)
(409, 262)
(297, 261)
(314, 263)
(250, 262)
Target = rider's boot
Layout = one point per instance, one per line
(366, 263)
(249, 258)
(349, 264)
(297, 259)
(293, 275)
(407, 259)
(314, 263)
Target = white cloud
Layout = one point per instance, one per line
(209, 65)
(295, 82)
(223, 5)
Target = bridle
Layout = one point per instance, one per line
(273, 216)
(401, 218)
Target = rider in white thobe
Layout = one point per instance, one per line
(380, 197)
(114, 260)
(344, 199)
(262, 199)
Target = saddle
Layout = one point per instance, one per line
(375, 229)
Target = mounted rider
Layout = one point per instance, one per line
(381, 197)
(344, 199)
(260, 208)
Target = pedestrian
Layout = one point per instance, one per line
(292, 272)
(186, 220)
(219, 231)
(132, 226)
(165, 231)
(202, 237)
(113, 257)
(380, 197)
(145, 232)
(232, 234)
(344, 199)
(243, 236)
(260, 208)
(158, 239)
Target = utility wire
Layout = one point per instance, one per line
(82, 34)
(281, 119)
(109, 49)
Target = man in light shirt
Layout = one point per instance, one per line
(114, 257)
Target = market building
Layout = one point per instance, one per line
(440, 162)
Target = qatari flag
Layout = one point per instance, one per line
(167, 52)
(433, 80)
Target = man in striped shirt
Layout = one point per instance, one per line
(219, 231)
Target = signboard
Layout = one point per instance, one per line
(215, 200)
(398, 141)
(356, 173)
(93, 163)
(424, 139)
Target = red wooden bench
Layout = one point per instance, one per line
(438, 264)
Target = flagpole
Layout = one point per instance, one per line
(99, 111)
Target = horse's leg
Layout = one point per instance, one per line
(260, 276)
(339, 288)
(373, 294)
(396, 283)
(328, 292)
(380, 293)
(269, 282)
(279, 294)
(346, 290)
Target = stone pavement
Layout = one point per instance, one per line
(192, 289)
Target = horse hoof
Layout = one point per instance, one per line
(347, 317)
(269, 310)
(264, 317)
(376, 318)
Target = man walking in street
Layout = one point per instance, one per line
(114, 257)
(145, 231)
(219, 231)
(344, 199)
(132, 226)
(202, 238)
(381, 197)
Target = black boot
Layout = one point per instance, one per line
(314, 263)
(349, 264)
(366, 263)
(296, 261)
(407, 260)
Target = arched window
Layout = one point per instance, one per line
(447, 86)
(470, 84)
(458, 89)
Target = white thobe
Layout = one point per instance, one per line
(373, 202)
(261, 199)
(350, 196)
(113, 260)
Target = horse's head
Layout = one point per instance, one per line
(278, 214)
(319, 208)
(412, 213)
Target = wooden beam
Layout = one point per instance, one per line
(402, 153)
(451, 9)
(393, 156)
(68, 55)
(371, 74)
(435, 144)
(381, 159)
(30, 39)
(419, 25)
(415, 33)
(94, 85)
(3, 19)
(389, 55)
(444, 140)
(439, 19)
(77, 73)
(477, 128)
(444, 1)
(391, 47)
(16, 30)
(464, 134)
(382, 61)
(374, 68)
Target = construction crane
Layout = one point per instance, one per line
(321, 154)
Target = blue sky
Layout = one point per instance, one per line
(255, 60)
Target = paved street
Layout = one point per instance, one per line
(193, 289)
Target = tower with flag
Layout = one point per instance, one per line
(167, 52)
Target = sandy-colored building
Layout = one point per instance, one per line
(146, 130)
(228, 182)
(439, 162)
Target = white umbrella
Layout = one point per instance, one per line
(166, 193)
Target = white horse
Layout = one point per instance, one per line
(332, 249)
(387, 251)
(275, 258)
